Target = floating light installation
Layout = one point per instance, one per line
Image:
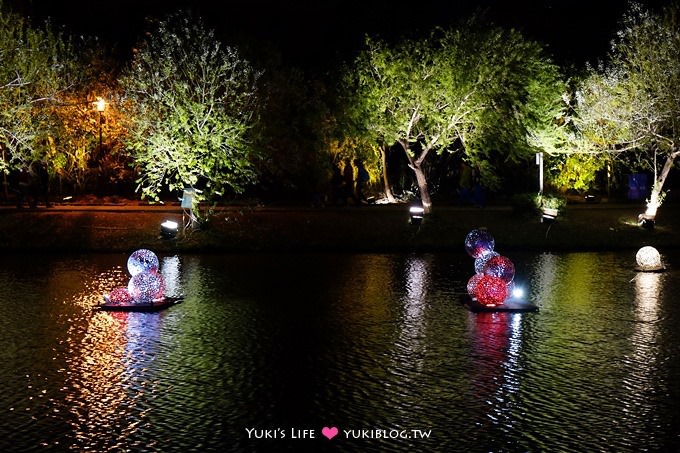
(146, 284)
(648, 259)
(492, 287)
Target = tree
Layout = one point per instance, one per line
(485, 93)
(630, 103)
(292, 133)
(74, 149)
(36, 66)
(190, 102)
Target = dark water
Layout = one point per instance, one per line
(269, 349)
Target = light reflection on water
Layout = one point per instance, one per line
(361, 342)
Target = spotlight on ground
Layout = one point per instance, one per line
(169, 229)
(416, 213)
(646, 221)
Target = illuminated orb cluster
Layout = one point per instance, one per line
(492, 283)
(648, 258)
(146, 283)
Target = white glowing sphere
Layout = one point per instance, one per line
(142, 260)
(648, 258)
(147, 286)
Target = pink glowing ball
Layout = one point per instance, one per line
(119, 296)
(472, 283)
(479, 242)
(147, 286)
(491, 290)
(501, 267)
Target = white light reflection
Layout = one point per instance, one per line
(644, 357)
(170, 269)
(411, 341)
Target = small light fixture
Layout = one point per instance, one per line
(549, 215)
(517, 292)
(169, 229)
(416, 213)
(101, 104)
(646, 221)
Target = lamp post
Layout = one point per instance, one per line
(101, 106)
(539, 163)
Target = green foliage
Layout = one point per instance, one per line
(191, 104)
(576, 171)
(629, 104)
(490, 94)
(36, 65)
(548, 201)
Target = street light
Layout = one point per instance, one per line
(101, 106)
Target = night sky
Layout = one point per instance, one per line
(319, 33)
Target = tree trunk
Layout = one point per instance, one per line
(423, 188)
(656, 197)
(386, 180)
(421, 179)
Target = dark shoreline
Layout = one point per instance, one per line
(365, 229)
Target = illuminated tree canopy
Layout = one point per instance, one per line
(36, 67)
(629, 106)
(191, 104)
(486, 93)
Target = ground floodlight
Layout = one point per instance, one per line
(416, 214)
(169, 229)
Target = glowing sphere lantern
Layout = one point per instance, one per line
(479, 242)
(648, 258)
(481, 261)
(146, 287)
(491, 290)
(501, 267)
(142, 260)
(119, 296)
(472, 283)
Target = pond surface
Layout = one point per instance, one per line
(271, 352)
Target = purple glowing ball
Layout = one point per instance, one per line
(491, 290)
(142, 260)
(146, 287)
(501, 267)
(479, 242)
